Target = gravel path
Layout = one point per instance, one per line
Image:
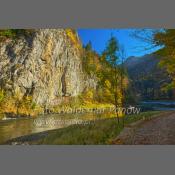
(157, 131)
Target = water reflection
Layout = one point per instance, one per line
(14, 128)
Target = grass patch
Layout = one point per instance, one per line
(99, 132)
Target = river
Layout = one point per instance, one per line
(12, 128)
(158, 105)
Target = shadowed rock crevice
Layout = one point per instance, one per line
(63, 82)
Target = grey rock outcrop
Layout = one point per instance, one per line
(46, 65)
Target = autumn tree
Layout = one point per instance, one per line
(91, 66)
(111, 73)
(166, 40)
(162, 42)
(108, 71)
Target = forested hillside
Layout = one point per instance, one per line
(148, 79)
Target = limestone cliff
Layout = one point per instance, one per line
(46, 65)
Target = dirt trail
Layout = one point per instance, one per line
(157, 131)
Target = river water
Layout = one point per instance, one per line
(158, 105)
(12, 128)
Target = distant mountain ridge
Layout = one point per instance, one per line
(147, 78)
(143, 64)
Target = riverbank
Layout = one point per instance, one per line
(157, 131)
(63, 109)
(102, 131)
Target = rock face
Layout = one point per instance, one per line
(46, 66)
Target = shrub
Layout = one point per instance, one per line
(14, 33)
(73, 38)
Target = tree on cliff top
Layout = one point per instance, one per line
(14, 33)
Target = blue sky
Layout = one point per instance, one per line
(99, 38)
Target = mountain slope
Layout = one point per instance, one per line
(147, 78)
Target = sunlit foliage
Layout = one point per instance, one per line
(14, 33)
(72, 35)
(166, 39)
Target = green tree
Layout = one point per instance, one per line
(90, 60)
(14, 33)
(111, 73)
(166, 39)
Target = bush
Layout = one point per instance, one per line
(18, 105)
(14, 33)
(73, 38)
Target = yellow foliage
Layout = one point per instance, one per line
(119, 97)
(1, 95)
(89, 94)
(18, 105)
(73, 38)
(108, 84)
